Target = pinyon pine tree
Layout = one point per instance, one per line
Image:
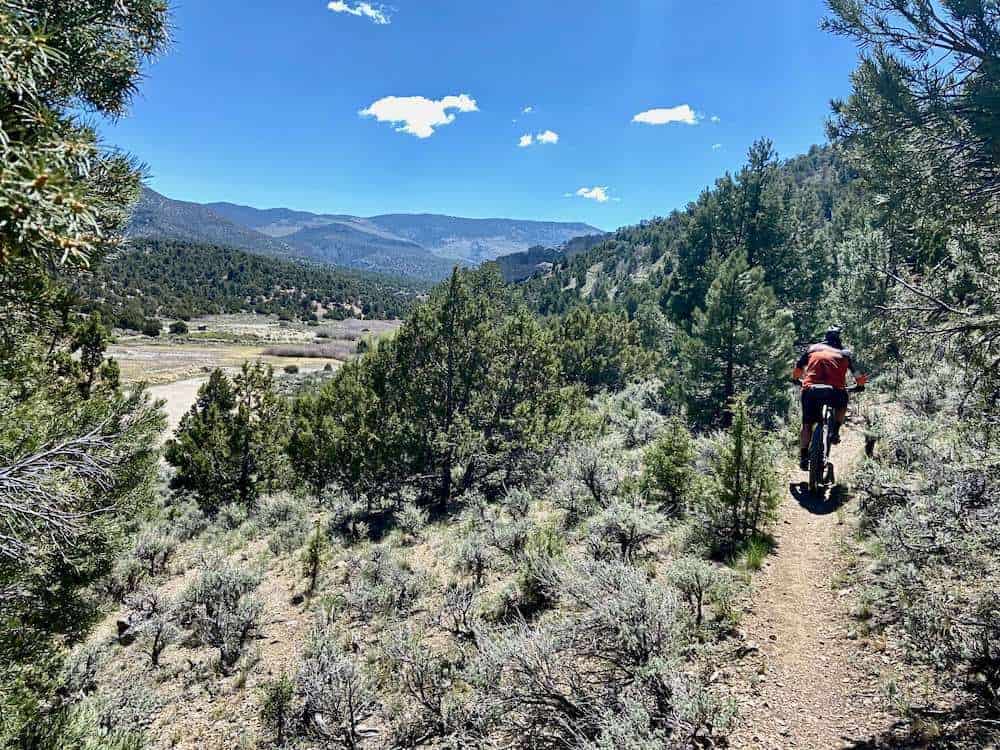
(741, 342)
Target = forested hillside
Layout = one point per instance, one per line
(536, 516)
(178, 280)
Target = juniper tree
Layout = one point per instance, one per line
(922, 126)
(228, 446)
(741, 342)
(70, 467)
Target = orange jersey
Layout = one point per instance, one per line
(825, 365)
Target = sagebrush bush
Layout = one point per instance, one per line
(349, 521)
(187, 520)
(599, 470)
(634, 413)
(289, 535)
(703, 584)
(154, 550)
(622, 531)
(411, 519)
(418, 679)
(152, 620)
(929, 503)
(126, 576)
(379, 582)
(220, 610)
(79, 671)
(335, 692)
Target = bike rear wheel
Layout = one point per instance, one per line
(817, 458)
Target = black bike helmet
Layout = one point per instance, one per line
(832, 337)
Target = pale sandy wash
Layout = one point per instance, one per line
(805, 682)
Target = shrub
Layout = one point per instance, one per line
(473, 555)
(517, 503)
(278, 708)
(279, 509)
(79, 672)
(702, 584)
(668, 467)
(289, 536)
(633, 412)
(178, 328)
(622, 531)
(349, 521)
(151, 617)
(313, 556)
(291, 369)
(743, 498)
(411, 519)
(151, 327)
(378, 583)
(187, 520)
(589, 476)
(154, 550)
(127, 574)
(336, 695)
(421, 678)
(220, 611)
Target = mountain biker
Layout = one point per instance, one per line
(822, 370)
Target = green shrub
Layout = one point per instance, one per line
(178, 328)
(278, 710)
(668, 467)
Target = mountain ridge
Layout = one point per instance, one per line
(425, 246)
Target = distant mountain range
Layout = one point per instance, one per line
(424, 246)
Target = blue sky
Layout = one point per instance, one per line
(261, 103)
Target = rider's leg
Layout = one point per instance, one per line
(804, 438)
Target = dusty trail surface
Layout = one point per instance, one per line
(811, 685)
(178, 398)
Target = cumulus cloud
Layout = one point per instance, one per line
(597, 193)
(418, 115)
(665, 115)
(715, 118)
(716, 146)
(545, 138)
(376, 13)
(527, 110)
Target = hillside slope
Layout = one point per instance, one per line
(157, 217)
(181, 280)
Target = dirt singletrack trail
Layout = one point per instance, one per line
(809, 686)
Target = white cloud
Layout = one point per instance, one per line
(662, 116)
(377, 13)
(418, 115)
(527, 110)
(715, 118)
(597, 193)
(545, 138)
(716, 146)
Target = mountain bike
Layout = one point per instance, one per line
(821, 471)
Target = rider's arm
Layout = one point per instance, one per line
(800, 366)
(859, 378)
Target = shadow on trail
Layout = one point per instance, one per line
(822, 502)
(961, 726)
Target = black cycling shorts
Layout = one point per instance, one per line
(815, 398)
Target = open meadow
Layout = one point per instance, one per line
(227, 341)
